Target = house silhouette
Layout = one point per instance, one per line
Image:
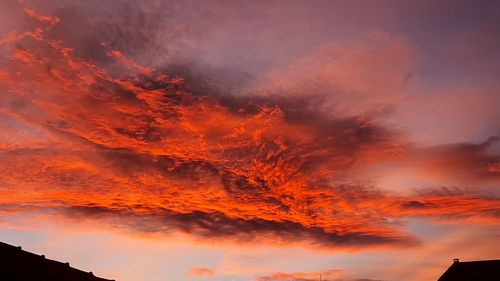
(19, 265)
(487, 270)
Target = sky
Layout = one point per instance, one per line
(251, 140)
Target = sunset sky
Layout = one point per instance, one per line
(248, 140)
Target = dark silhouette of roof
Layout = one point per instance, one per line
(488, 270)
(19, 265)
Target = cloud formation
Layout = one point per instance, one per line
(201, 272)
(332, 274)
(103, 137)
(327, 275)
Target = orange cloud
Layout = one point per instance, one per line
(128, 63)
(327, 275)
(201, 272)
(42, 18)
(143, 152)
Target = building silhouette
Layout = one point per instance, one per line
(19, 265)
(487, 270)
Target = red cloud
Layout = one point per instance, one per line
(137, 149)
(42, 18)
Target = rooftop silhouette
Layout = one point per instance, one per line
(486, 270)
(19, 265)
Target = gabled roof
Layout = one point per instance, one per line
(19, 265)
(487, 270)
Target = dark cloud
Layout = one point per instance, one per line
(216, 226)
(415, 204)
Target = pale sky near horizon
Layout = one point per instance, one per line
(251, 140)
